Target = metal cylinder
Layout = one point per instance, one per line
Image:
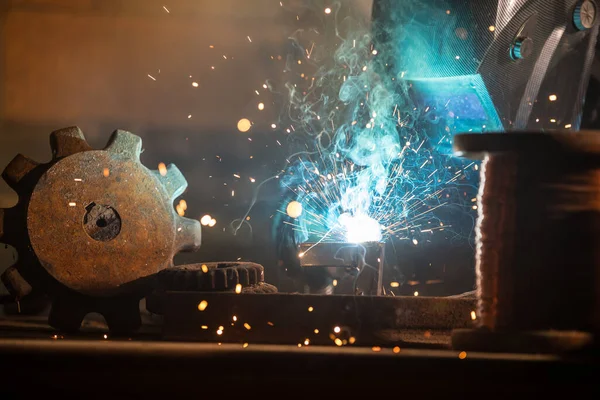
(537, 256)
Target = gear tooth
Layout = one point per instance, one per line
(16, 285)
(67, 141)
(189, 234)
(173, 181)
(17, 169)
(125, 144)
(67, 315)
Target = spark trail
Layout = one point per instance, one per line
(373, 167)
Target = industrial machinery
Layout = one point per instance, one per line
(92, 228)
(503, 81)
(459, 67)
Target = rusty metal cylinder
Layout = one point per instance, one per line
(538, 250)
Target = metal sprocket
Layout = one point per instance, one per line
(92, 228)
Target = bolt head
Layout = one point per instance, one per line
(585, 15)
(522, 48)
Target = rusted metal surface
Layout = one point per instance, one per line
(93, 226)
(15, 284)
(211, 276)
(293, 318)
(224, 276)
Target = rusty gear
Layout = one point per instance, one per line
(207, 277)
(260, 288)
(92, 227)
(212, 276)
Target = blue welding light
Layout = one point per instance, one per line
(461, 103)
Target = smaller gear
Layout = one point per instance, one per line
(210, 277)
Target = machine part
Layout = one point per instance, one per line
(522, 48)
(326, 261)
(260, 288)
(15, 284)
(292, 318)
(219, 276)
(539, 218)
(584, 15)
(92, 227)
(222, 276)
(424, 46)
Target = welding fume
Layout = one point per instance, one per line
(375, 162)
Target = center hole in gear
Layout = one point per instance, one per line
(101, 222)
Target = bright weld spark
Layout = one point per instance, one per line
(364, 168)
(151, 77)
(238, 288)
(162, 169)
(247, 326)
(202, 305)
(354, 200)
(166, 9)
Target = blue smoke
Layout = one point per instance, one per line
(375, 158)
